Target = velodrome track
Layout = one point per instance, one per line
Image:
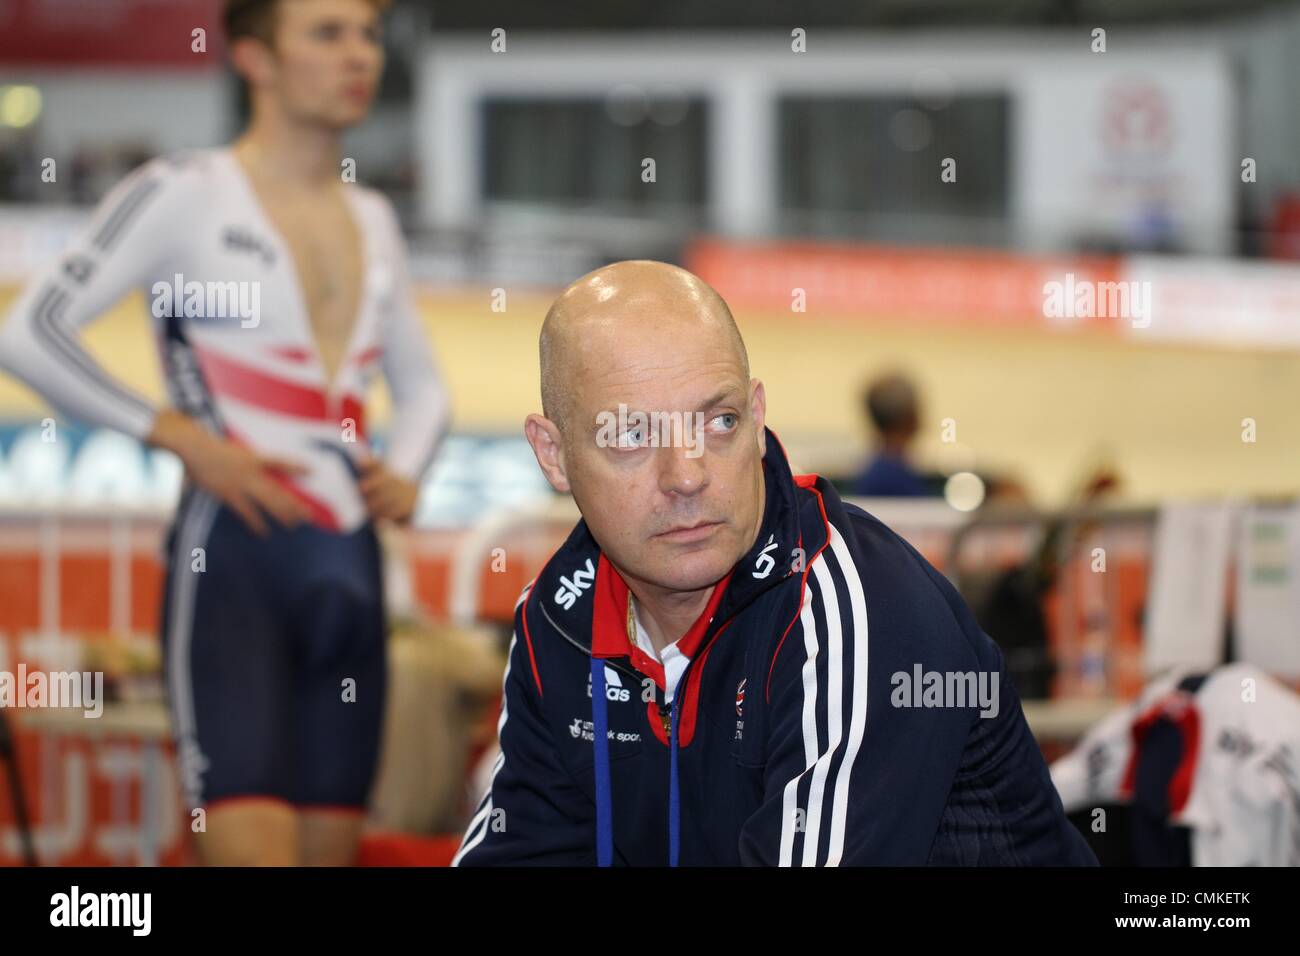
(1039, 404)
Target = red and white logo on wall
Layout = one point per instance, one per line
(1137, 119)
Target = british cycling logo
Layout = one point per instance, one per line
(570, 590)
(765, 563)
(133, 910)
(740, 709)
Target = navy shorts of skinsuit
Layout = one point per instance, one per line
(274, 659)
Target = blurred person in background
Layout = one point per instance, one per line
(1009, 602)
(278, 291)
(893, 408)
(892, 405)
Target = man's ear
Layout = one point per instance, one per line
(758, 409)
(252, 60)
(544, 437)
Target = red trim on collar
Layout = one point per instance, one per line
(609, 622)
(528, 639)
(691, 700)
(691, 640)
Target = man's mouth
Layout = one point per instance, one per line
(684, 534)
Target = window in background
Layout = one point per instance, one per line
(869, 167)
(586, 155)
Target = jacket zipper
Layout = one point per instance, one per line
(666, 713)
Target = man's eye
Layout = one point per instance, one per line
(632, 438)
(729, 420)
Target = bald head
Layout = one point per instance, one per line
(654, 426)
(634, 297)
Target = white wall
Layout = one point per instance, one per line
(1055, 84)
(167, 110)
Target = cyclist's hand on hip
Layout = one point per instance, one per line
(245, 481)
(387, 494)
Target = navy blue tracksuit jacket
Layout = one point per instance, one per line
(808, 729)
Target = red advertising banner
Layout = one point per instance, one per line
(973, 287)
(84, 33)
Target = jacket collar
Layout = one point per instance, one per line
(585, 598)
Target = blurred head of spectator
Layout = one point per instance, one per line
(894, 410)
(892, 405)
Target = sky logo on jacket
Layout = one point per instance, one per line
(243, 240)
(571, 589)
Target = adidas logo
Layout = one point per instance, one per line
(614, 689)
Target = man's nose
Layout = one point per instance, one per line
(682, 471)
(361, 51)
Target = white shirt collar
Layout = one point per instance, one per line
(672, 659)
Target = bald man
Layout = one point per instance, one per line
(724, 664)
